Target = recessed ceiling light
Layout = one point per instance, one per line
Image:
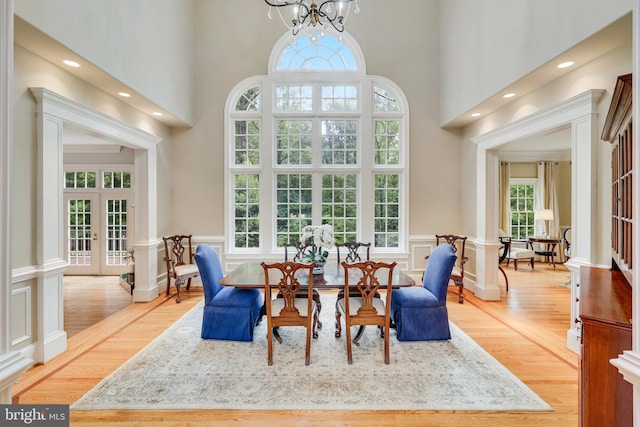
(71, 63)
(156, 113)
(124, 94)
(475, 114)
(566, 64)
(509, 95)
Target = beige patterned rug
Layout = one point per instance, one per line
(181, 371)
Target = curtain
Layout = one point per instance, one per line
(551, 197)
(504, 206)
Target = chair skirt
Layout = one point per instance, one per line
(418, 323)
(232, 314)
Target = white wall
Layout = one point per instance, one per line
(147, 45)
(487, 45)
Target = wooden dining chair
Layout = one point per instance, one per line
(180, 264)
(367, 308)
(297, 253)
(351, 252)
(289, 309)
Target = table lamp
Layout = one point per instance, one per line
(544, 215)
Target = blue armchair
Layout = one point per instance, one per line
(229, 313)
(420, 313)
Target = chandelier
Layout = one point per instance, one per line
(330, 12)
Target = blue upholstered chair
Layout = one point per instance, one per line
(420, 313)
(229, 313)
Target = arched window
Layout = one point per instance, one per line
(316, 141)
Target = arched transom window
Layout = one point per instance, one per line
(316, 141)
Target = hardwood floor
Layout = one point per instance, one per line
(89, 299)
(526, 332)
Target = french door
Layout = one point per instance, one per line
(98, 229)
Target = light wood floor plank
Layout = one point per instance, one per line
(526, 332)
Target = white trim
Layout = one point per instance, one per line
(54, 112)
(581, 113)
(12, 364)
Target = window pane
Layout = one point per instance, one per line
(294, 98)
(387, 230)
(339, 142)
(293, 146)
(247, 142)
(337, 210)
(383, 100)
(247, 210)
(116, 180)
(250, 100)
(80, 179)
(293, 206)
(339, 98)
(522, 214)
(387, 147)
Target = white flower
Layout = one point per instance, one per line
(320, 238)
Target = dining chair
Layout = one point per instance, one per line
(458, 244)
(229, 313)
(351, 252)
(289, 309)
(179, 259)
(420, 313)
(298, 250)
(367, 308)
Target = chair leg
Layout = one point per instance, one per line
(269, 344)
(168, 284)
(178, 284)
(307, 354)
(460, 288)
(347, 328)
(386, 344)
(316, 298)
(316, 322)
(338, 323)
(506, 280)
(515, 264)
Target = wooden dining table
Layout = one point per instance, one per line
(251, 275)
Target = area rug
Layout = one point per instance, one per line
(178, 370)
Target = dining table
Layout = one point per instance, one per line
(250, 274)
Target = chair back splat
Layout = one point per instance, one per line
(353, 253)
(179, 260)
(362, 304)
(229, 313)
(420, 313)
(289, 309)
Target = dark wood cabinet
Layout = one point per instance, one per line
(618, 130)
(606, 399)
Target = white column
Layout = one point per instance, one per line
(52, 339)
(146, 241)
(12, 364)
(487, 244)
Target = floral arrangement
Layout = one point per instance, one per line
(130, 256)
(320, 237)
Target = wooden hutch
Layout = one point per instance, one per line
(606, 399)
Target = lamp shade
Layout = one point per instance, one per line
(544, 214)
